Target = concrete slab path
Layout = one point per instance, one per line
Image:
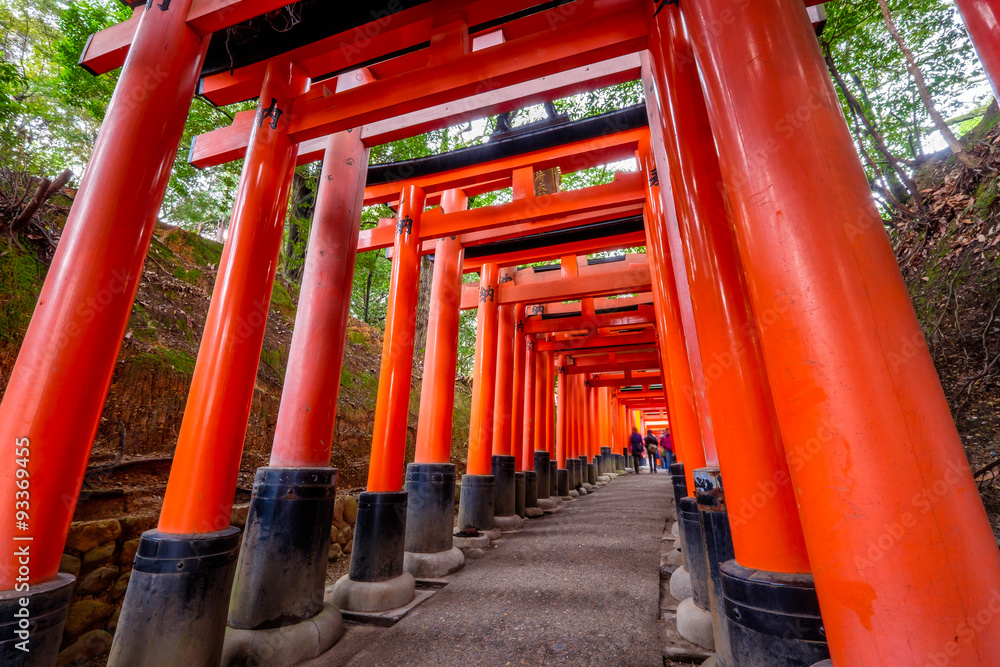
(578, 587)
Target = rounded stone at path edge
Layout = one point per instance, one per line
(351, 509)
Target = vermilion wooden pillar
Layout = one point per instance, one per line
(392, 411)
(199, 495)
(901, 549)
(484, 373)
(503, 399)
(178, 616)
(518, 391)
(530, 391)
(686, 429)
(438, 389)
(548, 359)
(982, 19)
(751, 452)
(593, 421)
(539, 401)
(56, 391)
(308, 410)
(562, 409)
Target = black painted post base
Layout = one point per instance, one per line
(430, 514)
(530, 488)
(680, 492)
(175, 605)
(694, 620)
(542, 473)
(562, 479)
(773, 618)
(476, 505)
(504, 489)
(592, 473)
(38, 627)
(553, 478)
(718, 549)
(281, 572)
(376, 580)
(519, 494)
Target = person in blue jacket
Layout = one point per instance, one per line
(637, 447)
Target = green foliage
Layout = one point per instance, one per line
(20, 279)
(875, 68)
(179, 360)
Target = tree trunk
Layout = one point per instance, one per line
(303, 203)
(856, 107)
(368, 294)
(423, 304)
(925, 95)
(46, 189)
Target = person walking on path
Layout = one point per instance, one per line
(636, 447)
(666, 449)
(652, 445)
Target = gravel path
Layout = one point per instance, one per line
(578, 587)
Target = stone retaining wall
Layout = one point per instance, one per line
(100, 554)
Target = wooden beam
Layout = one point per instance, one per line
(599, 343)
(599, 305)
(107, 49)
(615, 362)
(568, 158)
(523, 216)
(548, 253)
(630, 319)
(584, 279)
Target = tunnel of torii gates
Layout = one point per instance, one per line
(768, 319)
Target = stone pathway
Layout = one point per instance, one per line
(578, 587)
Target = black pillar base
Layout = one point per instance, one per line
(592, 473)
(379, 536)
(376, 580)
(476, 505)
(38, 627)
(281, 572)
(503, 489)
(430, 507)
(519, 494)
(175, 606)
(773, 618)
(605, 461)
(718, 549)
(553, 478)
(697, 560)
(562, 479)
(542, 473)
(530, 489)
(680, 492)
